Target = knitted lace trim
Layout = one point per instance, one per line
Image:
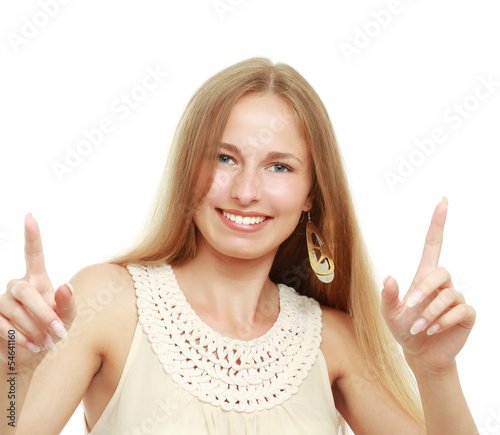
(244, 376)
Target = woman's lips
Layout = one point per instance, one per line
(243, 221)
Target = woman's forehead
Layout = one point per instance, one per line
(264, 123)
(271, 109)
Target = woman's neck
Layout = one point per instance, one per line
(233, 296)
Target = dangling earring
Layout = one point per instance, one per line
(322, 266)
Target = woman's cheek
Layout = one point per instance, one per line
(286, 193)
(219, 185)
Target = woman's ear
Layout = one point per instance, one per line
(308, 204)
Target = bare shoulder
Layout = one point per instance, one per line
(91, 279)
(339, 343)
(334, 319)
(105, 297)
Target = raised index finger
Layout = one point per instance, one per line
(33, 250)
(434, 238)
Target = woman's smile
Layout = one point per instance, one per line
(244, 221)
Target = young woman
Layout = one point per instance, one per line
(197, 329)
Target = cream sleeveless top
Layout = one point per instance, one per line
(182, 377)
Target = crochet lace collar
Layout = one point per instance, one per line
(244, 376)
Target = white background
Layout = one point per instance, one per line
(65, 76)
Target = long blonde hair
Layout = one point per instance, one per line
(170, 233)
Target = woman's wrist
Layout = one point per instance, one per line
(422, 370)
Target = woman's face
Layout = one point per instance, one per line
(261, 184)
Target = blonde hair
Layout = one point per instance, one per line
(170, 233)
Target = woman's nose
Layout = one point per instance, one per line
(246, 186)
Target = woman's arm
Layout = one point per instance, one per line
(62, 378)
(366, 408)
(88, 363)
(33, 316)
(432, 357)
(432, 324)
(48, 386)
(445, 407)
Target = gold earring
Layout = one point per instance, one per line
(322, 266)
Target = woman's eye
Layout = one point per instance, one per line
(280, 167)
(224, 158)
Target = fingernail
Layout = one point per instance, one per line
(417, 326)
(70, 287)
(49, 344)
(32, 346)
(433, 329)
(28, 214)
(415, 298)
(385, 279)
(58, 329)
(444, 199)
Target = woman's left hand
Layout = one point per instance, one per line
(432, 322)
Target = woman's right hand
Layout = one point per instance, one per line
(39, 315)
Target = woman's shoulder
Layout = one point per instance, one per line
(339, 344)
(87, 280)
(104, 292)
(104, 282)
(336, 323)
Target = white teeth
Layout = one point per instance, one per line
(244, 220)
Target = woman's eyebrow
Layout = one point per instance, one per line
(276, 155)
(230, 147)
(273, 155)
